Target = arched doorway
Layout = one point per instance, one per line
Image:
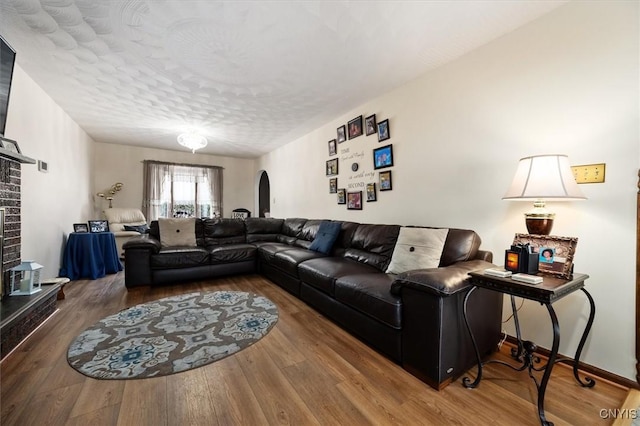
(264, 194)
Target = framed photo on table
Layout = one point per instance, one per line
(555, 253)
(98, 226)
(80, 227)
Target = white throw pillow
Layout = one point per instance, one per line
(177, 232)
(417, 248)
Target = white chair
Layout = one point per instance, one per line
(118, 218)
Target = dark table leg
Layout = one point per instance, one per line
(516, 352)
(547, 371)
(466, 382)
(588, 381)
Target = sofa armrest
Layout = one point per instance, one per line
(143, 242)
(484, 255)
(443, 281)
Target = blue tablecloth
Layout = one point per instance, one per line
(90, 255)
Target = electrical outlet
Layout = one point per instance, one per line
(589, 173)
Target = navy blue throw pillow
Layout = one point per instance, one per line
(327, 235)
(143, 229)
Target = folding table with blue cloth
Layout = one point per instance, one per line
(90, 255)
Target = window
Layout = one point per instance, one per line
(178, 190)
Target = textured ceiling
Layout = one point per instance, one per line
(249, 75)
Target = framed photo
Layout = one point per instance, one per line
(355, 127)
(371, 192)
(98, 226)
(332, 167)
(383, 130)
(333, 185)
(555, 253)
(354, 200)
(342, 134)
(383, 157)
(342, 196)
(370, 124)
(80, 227)
(10, 145)
(385, 181)
(332, 147)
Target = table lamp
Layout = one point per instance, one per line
(543, 178)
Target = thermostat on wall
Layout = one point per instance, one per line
(43, 166)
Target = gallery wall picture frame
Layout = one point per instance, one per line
(384, 132)
(383, 157)
(385, 181)
(10, 145)
(371, 192)
(342, 196)
(333, 147)
(354, 127)
(332, 167)
(333, 185)
(98, 226)
(354, 200)
(80, 227)
(562, 249)
(342, 133)
(370, 125)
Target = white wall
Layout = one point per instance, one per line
(566, 83)
(120, 163)
(53, 201)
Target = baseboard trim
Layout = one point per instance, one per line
(587, 368)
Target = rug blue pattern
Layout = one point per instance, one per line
(171, 335)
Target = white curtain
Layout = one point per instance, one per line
(178, 190)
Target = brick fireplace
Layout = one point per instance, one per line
(19, 315)
(10, 171)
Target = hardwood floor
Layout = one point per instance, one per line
(305, 371)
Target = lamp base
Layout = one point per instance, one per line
(539, 225)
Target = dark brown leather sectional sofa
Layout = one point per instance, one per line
(415, 318)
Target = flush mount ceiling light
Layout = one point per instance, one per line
(192, 141)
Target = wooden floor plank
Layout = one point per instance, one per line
(307, 370)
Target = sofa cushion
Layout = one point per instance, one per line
(180, 257)
(230, 253)
(369, 294)
(269, 250)
(223, 231)
(326, 236)
(288, 260)
(461, 245)
(321, 273)
(373, 245)
(417, 248)
(263, 228)
(177, 231)
(142, 229)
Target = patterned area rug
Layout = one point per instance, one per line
(172, 335)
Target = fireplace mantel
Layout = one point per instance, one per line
(16, 157)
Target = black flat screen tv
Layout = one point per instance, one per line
(7, 59)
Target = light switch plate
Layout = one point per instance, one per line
(589, 173)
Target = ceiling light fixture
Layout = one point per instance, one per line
(193, 141)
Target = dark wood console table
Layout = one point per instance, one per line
(546, 293)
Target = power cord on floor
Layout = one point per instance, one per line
(504, 337)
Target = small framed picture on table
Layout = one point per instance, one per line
(98, 226)
(80, 227)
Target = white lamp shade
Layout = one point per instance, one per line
(544, 177)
